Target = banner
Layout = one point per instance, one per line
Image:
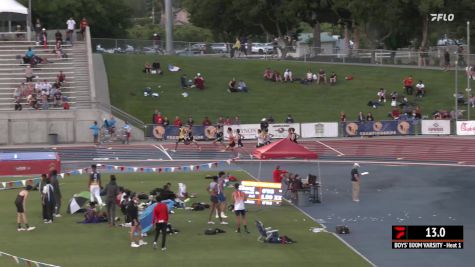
(249, 131)
(439, 127)
(465, 127)
(281, 130)
(378, 128)
(319, 129)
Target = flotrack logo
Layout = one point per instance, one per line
(442, 17)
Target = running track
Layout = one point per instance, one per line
(422, 149)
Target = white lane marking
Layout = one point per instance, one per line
(161, 148)
(329, 147)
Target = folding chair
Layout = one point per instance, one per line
(266, 234)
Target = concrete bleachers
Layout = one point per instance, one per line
(74, 66)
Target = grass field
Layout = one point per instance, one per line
(67, 243)
(305, 103)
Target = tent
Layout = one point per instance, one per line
(78, 202)
(11, 10)
(284, 149)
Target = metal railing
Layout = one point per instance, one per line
(118, 113)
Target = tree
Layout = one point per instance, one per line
(107, 18)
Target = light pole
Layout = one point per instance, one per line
(169, 27)
(29, 24)
(456, 86)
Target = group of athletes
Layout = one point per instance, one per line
(234, 139)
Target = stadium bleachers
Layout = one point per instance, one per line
(75, 67)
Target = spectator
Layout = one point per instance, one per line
(44, 102)
(185, 84)
(58, 36)
(57, 98)
(190, 121)
(288, 76)
(18, 106)
(268, 74)
(461, 60)
(395, 113)
(289, 119)
(417, 113)
(206, 122)
(342, 117)
(228, 121)
(199, 81)
(61, 78)
(242, 86)
(57, 193)
(236, 48)
(237, 120)
(220, 121)
(332, 78)
(232, 86)
(156, 68)
(156, 41)
(420, 87)
(177, 122)
(66, 105)
(47, 199)
(166, 122)
(32, 101)
(360, 117)
(394, 96)
(17, 94)
(270, 119)
(37, 31)
(147, 68)
(154, 115)
(309, 77)
(381, 95)
(408, 85)
(264, 124)
(158, 118)
(71, 26)
(321, 76)
(83, 25)
(369, 117)
(446, 60)
(471, 101)
(29, 55)
(44, 38)
(276, 77)
(128, 132)
(58, 49)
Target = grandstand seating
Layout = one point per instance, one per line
(75, 67)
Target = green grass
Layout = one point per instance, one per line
(67, 243)
(305, 103)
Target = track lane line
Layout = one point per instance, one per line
(331, 148)
(162, 149)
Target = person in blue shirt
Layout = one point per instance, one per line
(30, 53)
(95, 132)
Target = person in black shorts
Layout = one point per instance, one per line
(20, 203)
(213, 193)
(219, 135)
(133, 215)
(231, 140)
(185, 135)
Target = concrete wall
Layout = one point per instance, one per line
(72, 126)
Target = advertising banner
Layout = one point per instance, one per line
(466, 128)
(171, 132)
(280, 130)
(319, 129)
(378, 128)
(249, 131)
(29, 163)
(439, 127)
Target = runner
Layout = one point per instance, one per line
(292, 135)
(260, 138)
(231, 141)
(240, 145)
(181, 137)
(186, 135)
(20, 204)
(219, 135)
(239, 209)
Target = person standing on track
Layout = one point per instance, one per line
(20, 203)
(239, 209)
(160, 220)
(355, 182)
(95, 185)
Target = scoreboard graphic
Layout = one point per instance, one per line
(427, 236)
(262, 193)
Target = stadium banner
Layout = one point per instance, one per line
(439, 127)
(280, 130)
(319, 129)
(249, 131)
(379, 128)
(465, 127)
(171, 132)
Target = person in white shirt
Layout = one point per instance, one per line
(420, 89)
(309, 77)
(128, 131)
(381, 95)
(288, 76)
(95, 185)
(260, 138)
(71, 26)
(239, 209)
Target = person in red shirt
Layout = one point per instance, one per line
(228, 121)
(177, 122)
(395, 113)
(408, 85)
(158, 118)
(206, 121)
(199, 81)
(278, 174)
(160, 220)
(83, 25)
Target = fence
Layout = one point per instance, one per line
(433, 57)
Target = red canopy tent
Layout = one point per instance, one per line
(283, 149)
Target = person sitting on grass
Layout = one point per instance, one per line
(232, 88)
(199, 81)
(147, 68)
(321, 76)
(332, 79)
(395, 113)
(309, 77)
(276, 76)
(381, 95)
(268, 74)
(184, 82)
(420, 89)
(92, 216)
(288, 76)
(242, 86)
(156, 68)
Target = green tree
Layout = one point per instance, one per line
(107, 18)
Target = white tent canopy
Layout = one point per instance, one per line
(12, 6)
